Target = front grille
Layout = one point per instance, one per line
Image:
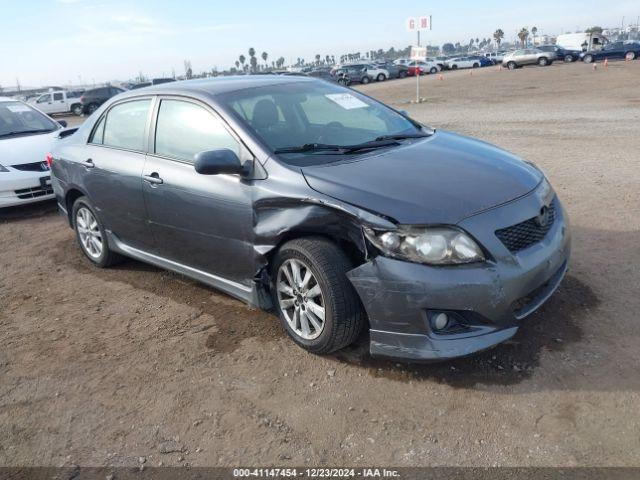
(32, 167)
(523, 235)
(34, 192)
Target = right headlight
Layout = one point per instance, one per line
(3, 169)
(433, 246)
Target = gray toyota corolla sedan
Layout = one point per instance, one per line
(338, 211)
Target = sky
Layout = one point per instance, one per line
(62, 42)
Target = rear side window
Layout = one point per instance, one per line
(57, 96)
(125, 125)
(185, 129)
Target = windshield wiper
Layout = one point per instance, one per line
(402, 136)
(321, 147)
(22, 132)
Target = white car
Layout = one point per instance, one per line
(58, 102)
(463, 62)
(27, 136)
(377, 73)
(426, 66)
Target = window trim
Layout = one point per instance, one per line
(145, 146)
(246, 155)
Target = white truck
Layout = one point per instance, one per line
(58, 101)
(581, 41)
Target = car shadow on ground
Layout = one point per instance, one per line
(28, 211)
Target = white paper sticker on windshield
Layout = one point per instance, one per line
(18, 108)
(346, 100)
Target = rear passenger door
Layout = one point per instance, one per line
(201, 221)
(113, 170)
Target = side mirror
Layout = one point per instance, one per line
(216, 162)
(404, 113)
(63, 123)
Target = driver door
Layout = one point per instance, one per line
(200, 221)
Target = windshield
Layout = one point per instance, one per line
(295, 115)
(16, 118)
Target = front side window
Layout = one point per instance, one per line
(125, 125)
(44, 98)
(185, 129)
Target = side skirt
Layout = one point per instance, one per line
(237, 290)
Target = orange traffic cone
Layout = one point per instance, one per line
(441, 78)
(606, 63)
(595, 67)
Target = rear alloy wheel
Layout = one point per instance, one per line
(91, 235)
(512, 65)
(365, 80)
(588, 59)
(433, 70)
(568, 58)
(77, 110)
(316, 303)
(381, 77)
(543, 61)
(630, 56)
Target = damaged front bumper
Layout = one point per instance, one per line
(486, 301)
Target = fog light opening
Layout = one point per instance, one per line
(440, 321)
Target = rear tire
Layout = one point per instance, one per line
(588, 59)
(543, 61)
(568, 58)
(454, 67)
(402, 74)
(326, 265)
(512, 65)
(77, 109)
(381, 77)
(630, 56)
(365, 80)
(92, 108)
(433, 70)
(91, 237)
(476, 65)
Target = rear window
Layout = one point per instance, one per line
(125, 125)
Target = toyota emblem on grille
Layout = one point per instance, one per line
(543, 217)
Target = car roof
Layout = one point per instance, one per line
(220, 85)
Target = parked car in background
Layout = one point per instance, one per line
(563, 54)
(376, 72)
(616, 50)
(528, 56)
(357, 72)
(463, 62)
(324, 204)
(403, 61)
(484, 61)
(58, 102)
(92, 99)
(395, 71)
(27, 135)
(496, 57)
(422, 68)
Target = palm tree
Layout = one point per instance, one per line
(523, 35)
(534, 30)
(498, 35)
(318, 59)
(242, 59)
(252, 59)
(237, 64)
(264, 56)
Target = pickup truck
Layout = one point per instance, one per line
(58, 102)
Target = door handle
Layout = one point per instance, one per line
(153, 179)
(88, 163)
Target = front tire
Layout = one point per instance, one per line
(512, 65)
(316, 303)
(365, 80)
(381, 77)
(91, 235)
(630, 56)
(433, 70)
(543, 61)
(588, 59)
(77, 110)
(568, 58)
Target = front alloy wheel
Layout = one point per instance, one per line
(300, 299)
(317, 305)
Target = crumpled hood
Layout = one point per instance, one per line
(440, 180)
(26, 148)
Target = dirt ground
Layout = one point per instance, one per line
(101, 367)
